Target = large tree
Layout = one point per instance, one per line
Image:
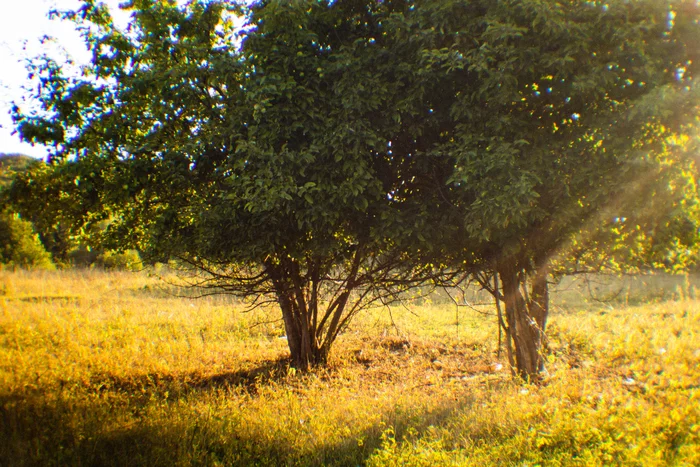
(346, 150)
(562, 117)
(269, 167)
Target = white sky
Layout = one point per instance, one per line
(22, 24)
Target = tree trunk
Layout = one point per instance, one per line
(526, 319)
(301, 335)
(298, 300)
(539, 310)
(292, 329)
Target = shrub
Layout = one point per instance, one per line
(20, 245)
(128, 260)
(83, 256)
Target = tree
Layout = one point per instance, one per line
(19, 245)
(350, 149)
(269, 168)
(559, 115)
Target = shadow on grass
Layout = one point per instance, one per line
(91, 429)
(51, 299)
(248, 380)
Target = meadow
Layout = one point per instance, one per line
(114, 368)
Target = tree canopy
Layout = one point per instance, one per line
(560, 118)
(330, 154)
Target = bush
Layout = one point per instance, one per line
(20, 245)
(128, 260)
(83, 256)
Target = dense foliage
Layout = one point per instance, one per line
(331, 154)
(20, 245)
(267, 167)
(562, 117)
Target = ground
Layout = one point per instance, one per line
(114, 368)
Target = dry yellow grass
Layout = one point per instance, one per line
(109, 369)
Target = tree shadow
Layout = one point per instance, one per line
(48, 436)
(248, 380)
(49, 299)
(67, 430)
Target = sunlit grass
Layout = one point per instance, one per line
(111, 369)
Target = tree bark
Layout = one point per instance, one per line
(291, 327)
(526, 319)
(299, 315)
(301, 335)
(539, 310)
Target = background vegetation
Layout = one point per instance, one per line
(12, 164)
(41, 239)
(20, 245)
(111, 368)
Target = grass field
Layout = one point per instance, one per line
(108, 369)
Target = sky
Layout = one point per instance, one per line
(22, 24)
